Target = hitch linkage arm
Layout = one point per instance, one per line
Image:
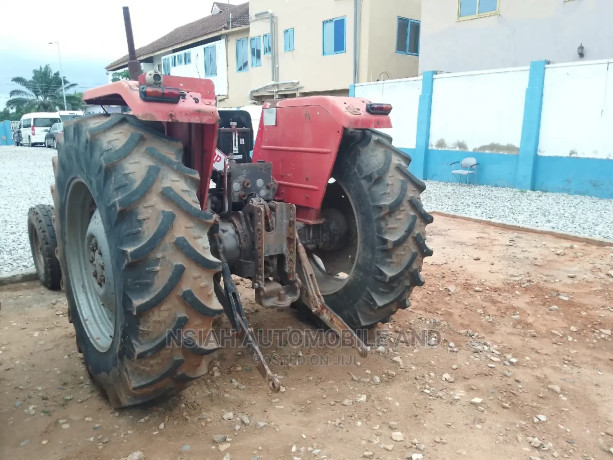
(237, 316)
(316, 303)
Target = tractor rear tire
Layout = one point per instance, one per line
(134, 248)
(43, 243)
(381, 261)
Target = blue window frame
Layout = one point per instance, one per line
(267, 44)
(242, 55)
(256, 51)
(210, 61)
(166, 66)
(407, 36)
(288, 39)
(334, 40)
(472, 8)
(179, 59)
(174, 61)
(187, 57)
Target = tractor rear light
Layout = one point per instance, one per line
(379, 109)
(160, 94)
(154, 91)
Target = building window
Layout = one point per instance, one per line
(334, 36)
(242, 55)
(187, 57)
(476, 8)
(288, 40)
(179, 59)
(210, 61)
(174, 61)
(166, 66)
(407, 36)
(267, 44)
(256, 52)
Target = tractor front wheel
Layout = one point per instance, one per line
(134, 249)
(43, 243)
(375, 201)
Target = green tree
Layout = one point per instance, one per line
(121, 75)
(12, 115)
(75, 101)
(42, 93)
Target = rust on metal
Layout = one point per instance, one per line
(246, 334)
(316, 303)
(236, 314)
(275, 235)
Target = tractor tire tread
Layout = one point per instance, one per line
(151, 357)
(138, 252)
(40, 220)
(387, 196)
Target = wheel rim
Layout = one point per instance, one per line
(37, 250)
(89, 267)
(334, 268)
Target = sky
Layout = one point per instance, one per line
(90, 33)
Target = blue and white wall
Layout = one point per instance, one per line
(543, 127)
(6, 135)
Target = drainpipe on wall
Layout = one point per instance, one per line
(221, 97)
(274, 59)
(357, 18)
(273, 49)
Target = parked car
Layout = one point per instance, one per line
(35, 126)
(55, 129)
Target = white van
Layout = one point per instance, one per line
(66, 115)
(34, 126)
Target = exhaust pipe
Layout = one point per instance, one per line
(133, 64)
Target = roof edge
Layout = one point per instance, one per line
(178, 45)
(123, 61)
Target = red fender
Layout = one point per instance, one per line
(301, 138)
(193, 120)
(198, 105)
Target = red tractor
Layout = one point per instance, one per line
(326, 215)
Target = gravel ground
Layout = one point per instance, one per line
(25, 177)
(26, 174)
(579, 215)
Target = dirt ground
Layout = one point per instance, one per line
(524, 321)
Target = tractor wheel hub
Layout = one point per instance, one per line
(96, 260)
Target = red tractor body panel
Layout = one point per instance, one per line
(198, 105)
(193, 120)
(301, 138)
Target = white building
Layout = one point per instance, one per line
(197, 49)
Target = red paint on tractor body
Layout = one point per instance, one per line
(302, 139)
(301, 143)
(193, 120)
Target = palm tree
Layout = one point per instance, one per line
(42, 93)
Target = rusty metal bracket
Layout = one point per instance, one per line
(316, 303)
(275, 235)
(237, 316)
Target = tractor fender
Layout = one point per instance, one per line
(301, 138)
(193, 119)
(196, 106)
